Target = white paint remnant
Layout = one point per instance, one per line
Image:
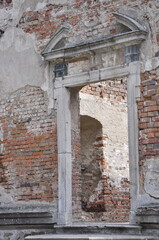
(5, 15)
(17, 50)
(4, 197)
(7, 40)
(48, 87)
(151, 183)
(40, 5)
(23, 41)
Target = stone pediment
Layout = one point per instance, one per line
(58, 47)
(129, 22)
(58, 41)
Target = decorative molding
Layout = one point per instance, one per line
(62, 85)
(116, 41)
(92, 76)
(129, 22)
(57, 48)
(57, 41)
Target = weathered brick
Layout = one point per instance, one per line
(33, 155)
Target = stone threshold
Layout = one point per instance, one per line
(98, 224)
(98, 228)
(89, 237)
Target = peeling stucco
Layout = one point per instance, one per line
(4, 197)
(18, 59)
(151, 182)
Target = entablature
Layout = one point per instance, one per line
(100, 45)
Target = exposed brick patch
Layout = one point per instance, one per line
(113, 204)
(42, 23)
(117, 201)
(148, 111)
(29, 159)
(114, 90)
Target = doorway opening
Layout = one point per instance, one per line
(101, 182)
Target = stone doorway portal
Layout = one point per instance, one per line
(90, 62)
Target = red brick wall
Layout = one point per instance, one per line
(115, 90)
(28, 161)
(148, 112)
(116, 201)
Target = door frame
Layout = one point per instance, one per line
(62, 92)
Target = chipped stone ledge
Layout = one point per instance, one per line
(27, 214)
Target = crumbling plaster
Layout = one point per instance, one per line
(19, 54)
(150, 192)
(151, 177)
(18, 59)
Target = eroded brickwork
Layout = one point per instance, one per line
(148, 112)
(113, 90)
(28, 159)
